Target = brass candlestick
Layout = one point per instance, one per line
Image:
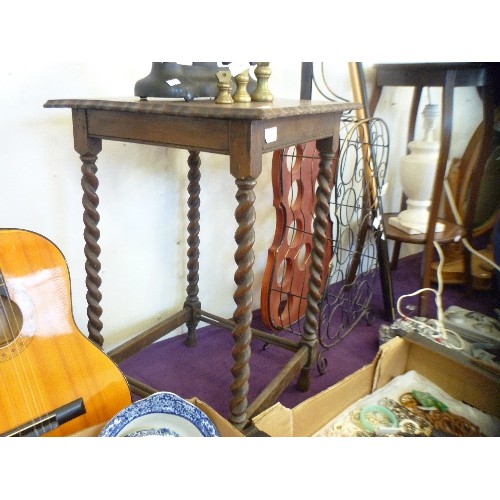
(224, 86)
(241, 94)
(262, 92)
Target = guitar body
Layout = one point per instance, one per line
(45, 361)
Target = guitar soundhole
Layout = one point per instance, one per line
(11, 321)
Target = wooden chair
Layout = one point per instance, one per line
(460, 174)
(448, 76)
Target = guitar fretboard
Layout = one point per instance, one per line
(3, 286)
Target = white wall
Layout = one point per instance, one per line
(143, 190)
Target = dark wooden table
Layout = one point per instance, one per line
(448, 76)
(243, 131)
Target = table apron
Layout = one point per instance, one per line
(188, 133)
(208, 135)
(294, 130)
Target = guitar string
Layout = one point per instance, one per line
(5, 327)
(21, 369)
(9, 336)
(30, 399)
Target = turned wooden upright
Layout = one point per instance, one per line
(244, 132)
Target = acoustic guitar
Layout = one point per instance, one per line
(53, 380)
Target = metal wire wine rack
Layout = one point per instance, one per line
(352, 245)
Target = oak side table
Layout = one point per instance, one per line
(244, 132)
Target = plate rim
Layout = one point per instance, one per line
(145, 407)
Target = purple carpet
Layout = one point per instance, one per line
(204, 371)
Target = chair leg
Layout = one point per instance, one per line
(425, 282)
(395, 255)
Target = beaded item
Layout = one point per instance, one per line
(445, 421)
(409, 422)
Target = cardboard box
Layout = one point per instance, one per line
(454, 374)
(223, 426)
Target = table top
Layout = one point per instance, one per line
(469, 74)
(422, 66)
(207, 108)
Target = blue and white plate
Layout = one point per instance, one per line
(161, 414)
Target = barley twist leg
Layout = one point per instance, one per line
(90, 201)
(242, 335)
(193, 253)
(309, 335)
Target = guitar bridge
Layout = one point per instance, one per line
(46, 423)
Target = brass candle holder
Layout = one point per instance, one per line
(241, 94)
(224, 86)
(262, 92)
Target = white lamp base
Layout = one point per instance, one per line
(413, 228)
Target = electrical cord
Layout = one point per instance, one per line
(440, 333)
(458, 220)
(328, 87)
(336, 97)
